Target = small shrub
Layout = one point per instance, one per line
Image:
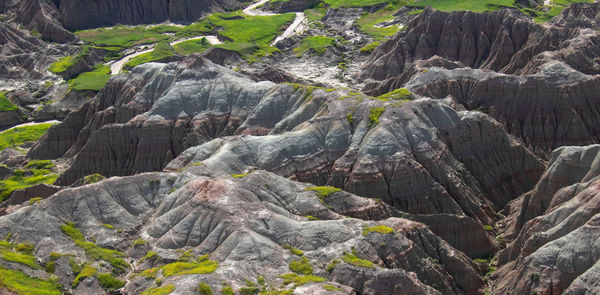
(331, 266)
(139, 242)
(34, 200)
(369, 47)
(109, 282)
(323, 191)
(329, 287)
(293, 250)
(93, 178)
(382, 229)
(227, 290)
(109, 226)
(534, 277)
(354, 260)
(299, 280)
(159, 290)
(301, 266)
(204, 289)
(25, 248)
(149, 255)
(86, 272)
(374, 115)
(488, 227)
(249, 291)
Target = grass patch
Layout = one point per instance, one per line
(323, 191)
(25, 259)
(109, 282)
(22, 284)
(94, 80)
(382, 229)
(293, 250)
(121, 36)
(5, 104)
(204, 289)
(162, 50)
(353, 3)
(471, 5)
(299, 280)
(332, 288)
(202, 266)
(250, 35)
(94, 251)
(398, 94)
(109, 226)
(374, 115)
(367, 23)
(86, 272)
(93, 178)
(62, 64)
(488, 227)
(301, 266)
(370, 47)
(34, 200)
(354, 260)
(192, 46)
(20, 181)
(139, 242)
(159, 290)
(315, 44)
(19, 135)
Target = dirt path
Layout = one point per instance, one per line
(251, 10)
(296, 27)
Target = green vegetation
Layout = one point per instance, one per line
(25, 259)
(323, 191)
(162, 50)
(534, 277)
(94, 251)
(92, 178)
(149, 255)
(331, 266)
(94, 80)
(202, 266)
(249, 290)
(86, 272)
(22, 284)
(354, 260)
(368, 23)
(19, 135)
(353, 3)
(250, 35)
(241, 175)
(149, 273)
(315, 44)
(398, 94)
(62, 64)
(299, 280)
(293, 250)
(301, 266)
(139, 242)
(382, 229)
(315, 14)
(227, 290)
(204, 289)
(329, 287)
(34, 200)
(5, 104)
(370, 47)
(109, 226)
(471, 5)
(109, 282)
(374, 115)
(480, 260)
(192, 46)
(23, 179)
(40, 164)
(121, 36)
(159, 290)
(488, 227)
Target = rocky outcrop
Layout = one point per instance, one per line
(246, 225)
(40, 16)
(554, 107)
(37, 191)
(503, 41)
(84, 14)
(291, 6)
(553, 229)
(160, 110)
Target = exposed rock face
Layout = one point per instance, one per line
(39, 15)
(160, 110)
(23, 56)
(243, 224)
(83, 14)
(555, 229)
(291, 6)
(555, 107)
(503, 41)
(37, 191)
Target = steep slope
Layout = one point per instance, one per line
(555, 107)
(245, 225)
(503, 41)
(553, 229)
